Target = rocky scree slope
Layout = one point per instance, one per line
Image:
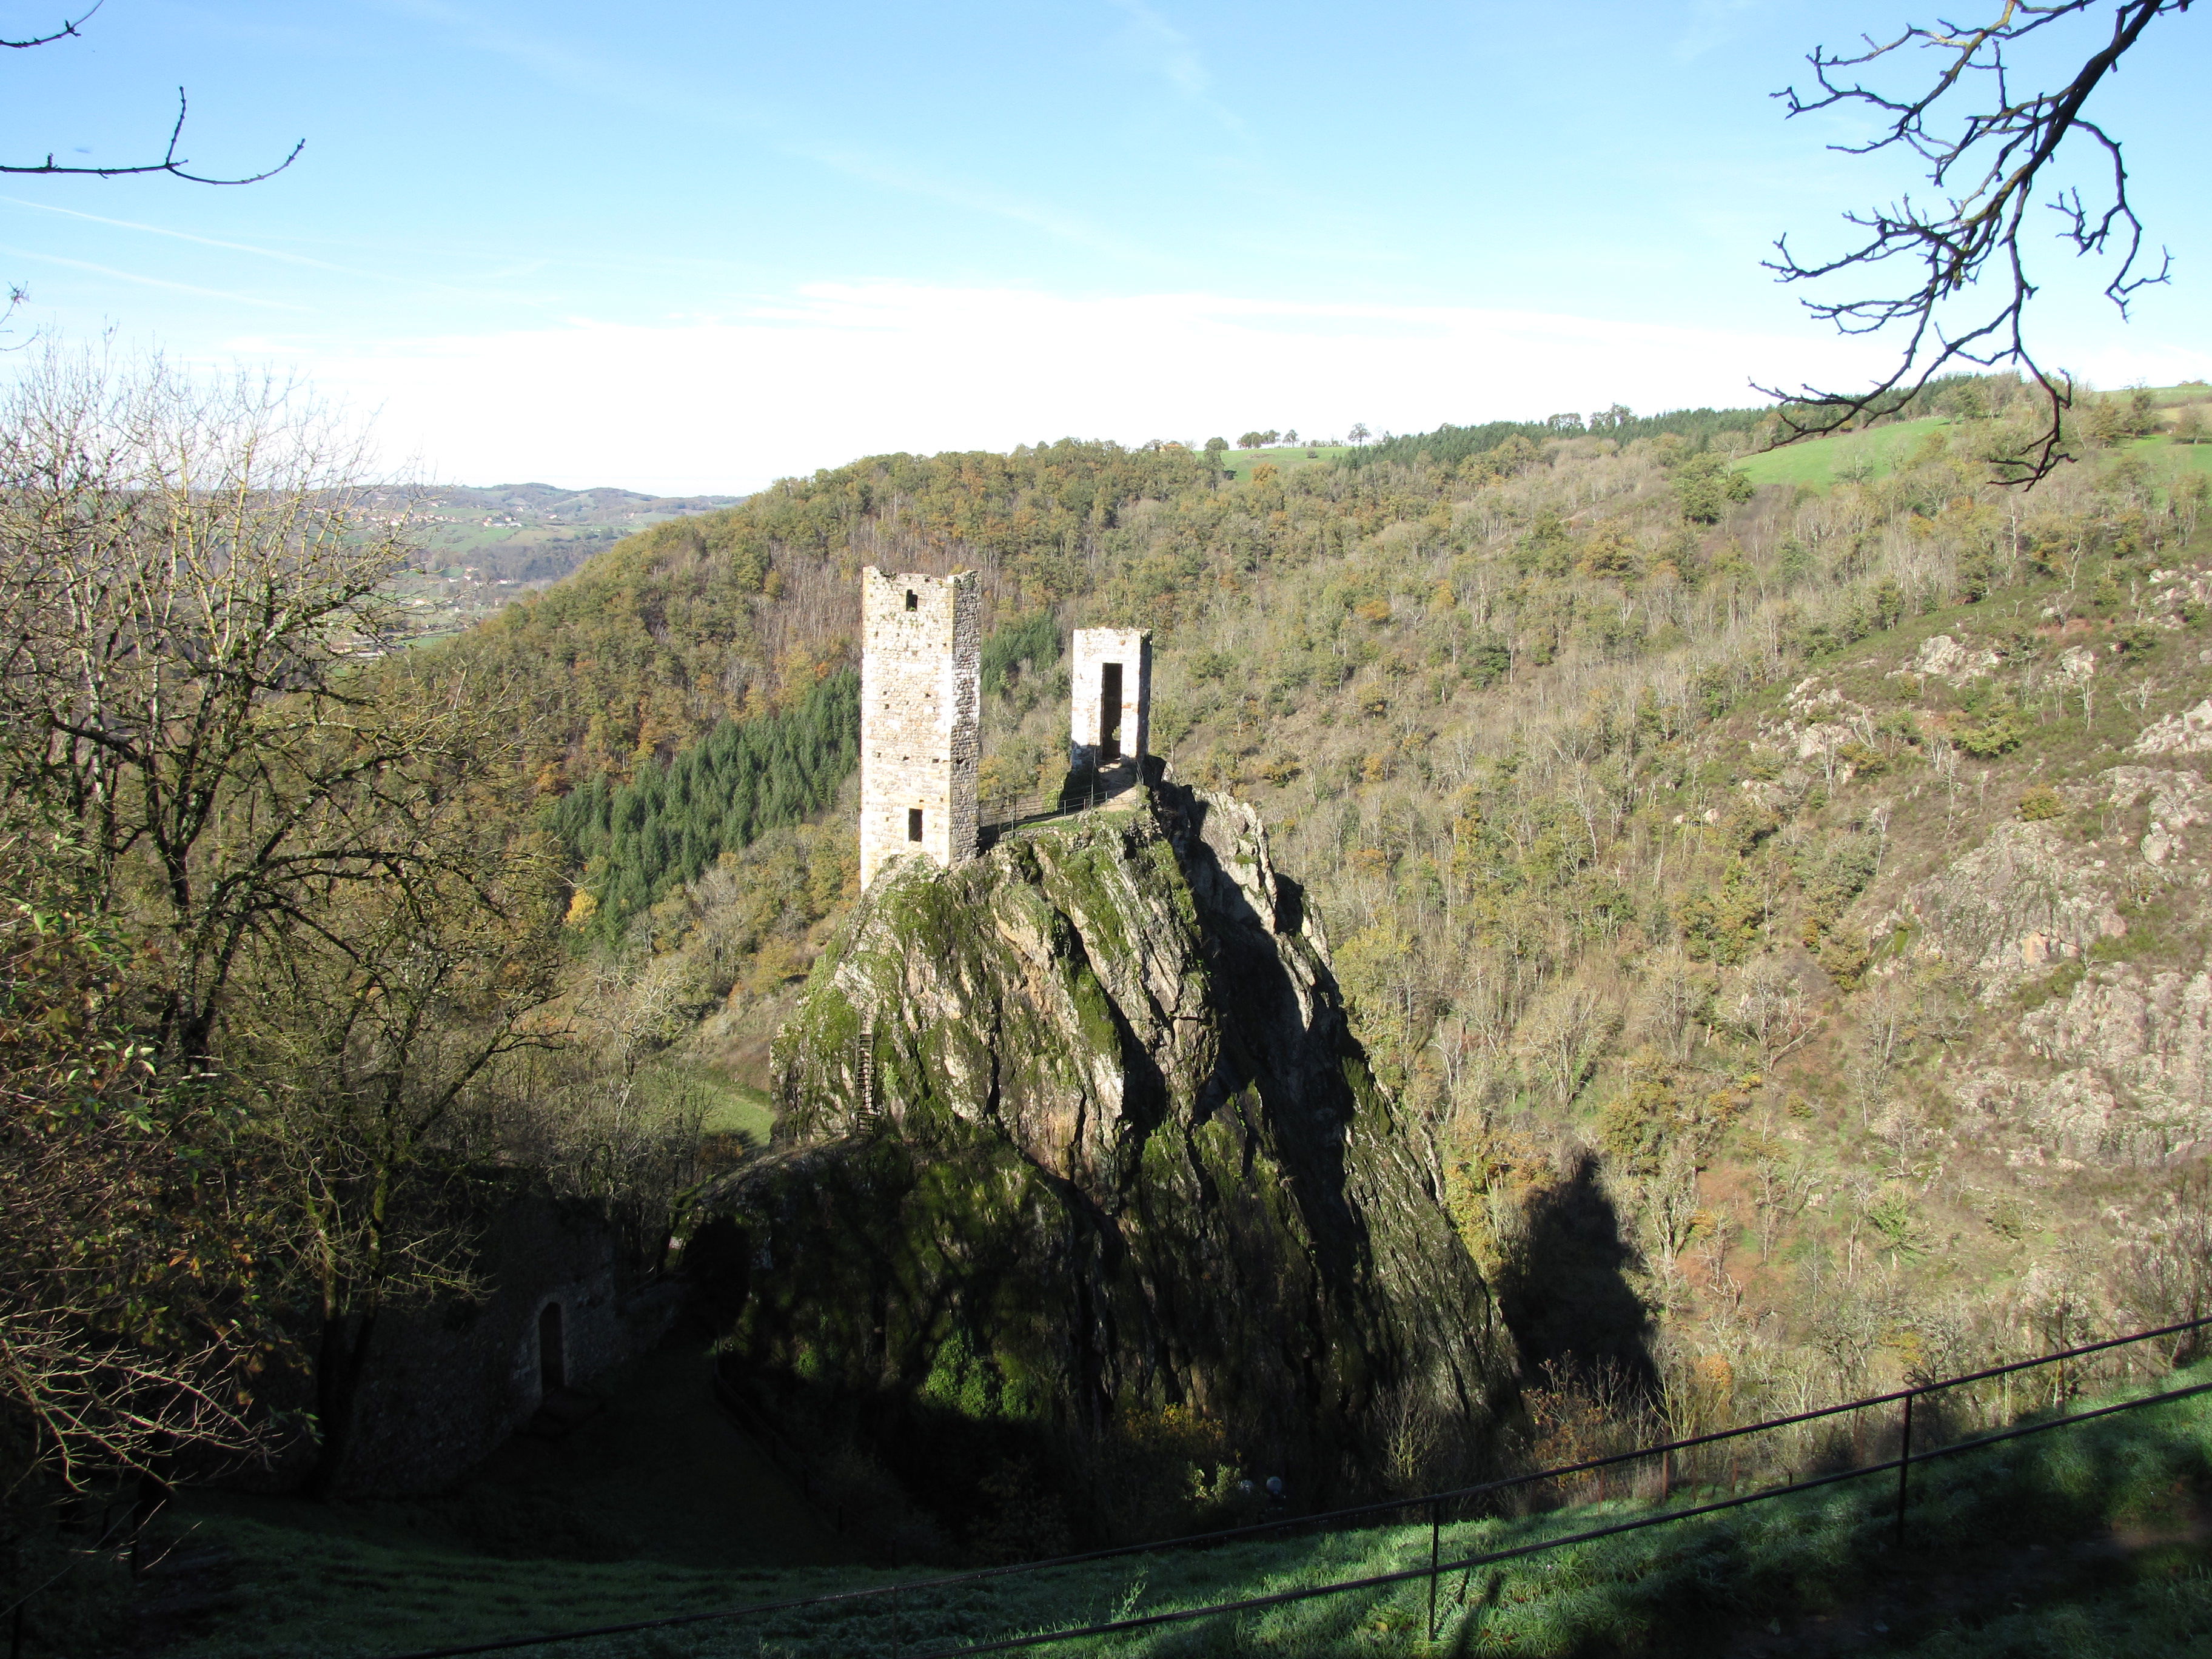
(1084, 1187)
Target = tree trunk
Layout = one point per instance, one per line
(341, 1363)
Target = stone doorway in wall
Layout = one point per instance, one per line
(1110, 712)
(552, 1356)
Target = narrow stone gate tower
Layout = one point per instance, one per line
(1110, 686)
(921, 716)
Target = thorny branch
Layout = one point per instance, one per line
(1988, 166)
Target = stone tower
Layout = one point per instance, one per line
(921, 716)
(1111, 685)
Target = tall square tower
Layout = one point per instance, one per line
(921, 716)
(1110, 686)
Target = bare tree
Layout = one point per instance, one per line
(1563, 1034)
(1988, 166)
(191, 586)
(1768, 1006)
(367, 1046)
(340, 919)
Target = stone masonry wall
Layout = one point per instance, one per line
(921, 715)
(448, 1384)
(1092, 649)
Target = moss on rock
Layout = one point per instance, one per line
(1075, 1135)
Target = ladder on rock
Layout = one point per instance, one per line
(871, 1114)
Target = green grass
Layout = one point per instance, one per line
(731, 1107)
(738, 1109)
(1997, 1565)
(1816, 461)
(2179, 458)
(1283, 457)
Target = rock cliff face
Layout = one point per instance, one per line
(1077, 1157)
(2111, 1066)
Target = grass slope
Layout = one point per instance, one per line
(2081, 1541)
(1818, 463)
(1284, 457)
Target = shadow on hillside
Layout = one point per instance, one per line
(1565, 1294)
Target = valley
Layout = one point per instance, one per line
(1628, 934)
(480, 549)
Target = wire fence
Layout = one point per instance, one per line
(1728, 1468)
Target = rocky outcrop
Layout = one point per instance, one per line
(2110, 1063)
(1077, 1154)
(1942, 657)
(2021, 900)
(2135, 1050)
(2189, 733)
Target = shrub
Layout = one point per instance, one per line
(1999, 733)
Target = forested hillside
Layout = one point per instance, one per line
(1775, 901)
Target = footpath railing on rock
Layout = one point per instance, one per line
(999, 814)
(1700, 1474)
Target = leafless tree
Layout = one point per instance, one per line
(367, 1049)
(1768, 1006)
(329, 910)
(1989, 165)
(191, 584)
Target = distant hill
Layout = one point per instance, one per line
(531, 532)
(484, 547)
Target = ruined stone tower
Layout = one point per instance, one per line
(921, 716)
(1111, 685)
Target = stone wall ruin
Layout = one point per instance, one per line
(1110, 686)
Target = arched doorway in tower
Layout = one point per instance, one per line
(552, 1354)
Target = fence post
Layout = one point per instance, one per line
(1436, 1537)
(1903, 1469)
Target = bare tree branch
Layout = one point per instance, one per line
(176, 166)
(2004, 151)
(68, 27)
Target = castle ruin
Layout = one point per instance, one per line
(921, 716)
(921, 712)
(1110, 683)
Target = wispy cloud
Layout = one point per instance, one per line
(179, 235)
(1176, 59)
(604, 77)
(561, 64)
(832, 371)
(394, 279)
(1712, 23)
(975, 198)
(150, 282)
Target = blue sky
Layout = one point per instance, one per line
(696, 247)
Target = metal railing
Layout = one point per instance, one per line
(1798, 1453)
(999, 814)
